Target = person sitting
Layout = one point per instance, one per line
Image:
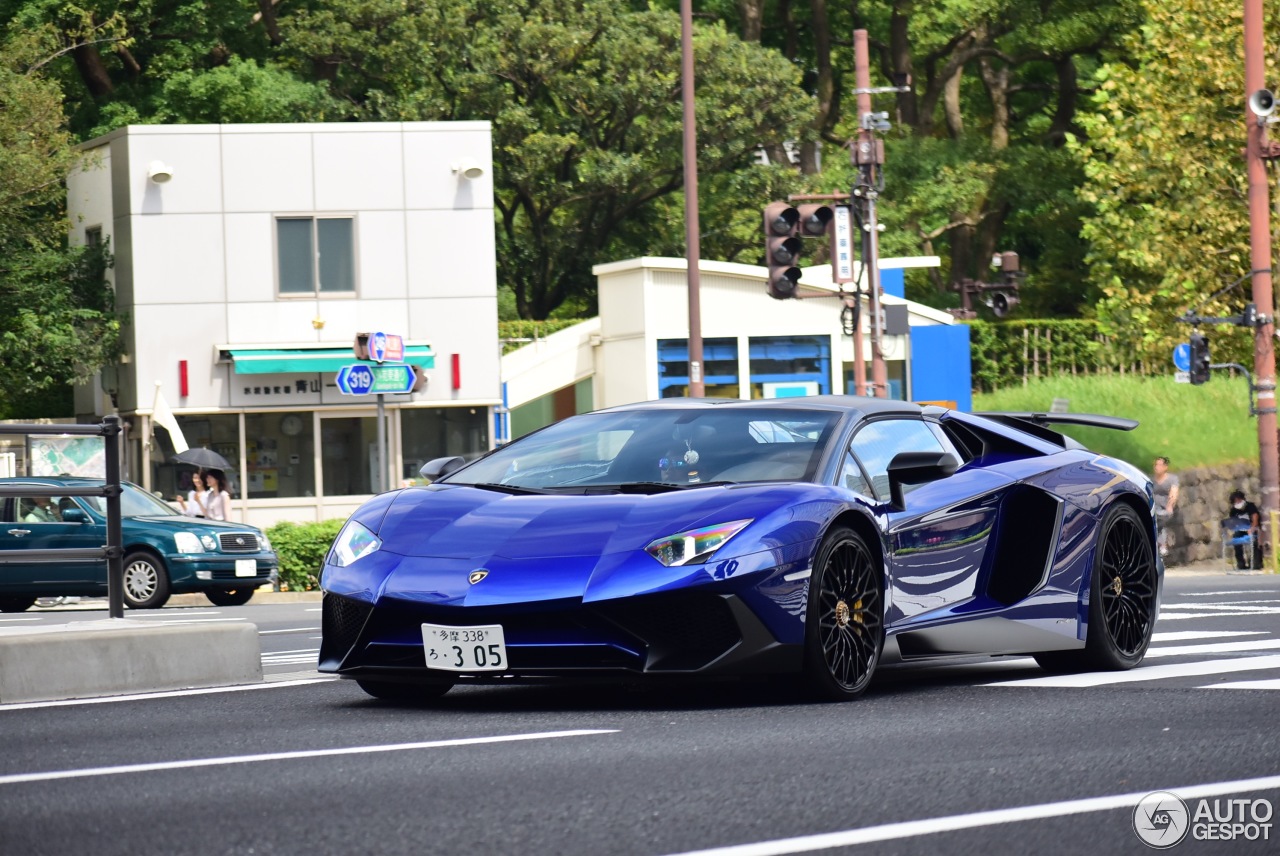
(41, 511)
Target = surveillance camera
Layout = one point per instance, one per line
(468, 169)
(159, 173)
(1262, 103)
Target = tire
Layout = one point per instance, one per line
(16, 604)
(146, 582)
(229, 597)
(406, 693)
(844, 618)
(1122, 599)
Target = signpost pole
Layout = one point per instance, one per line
(382, 444)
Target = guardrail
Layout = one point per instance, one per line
(112, 551)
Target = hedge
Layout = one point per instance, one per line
(301, 548)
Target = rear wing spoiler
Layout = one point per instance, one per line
(1042, 420)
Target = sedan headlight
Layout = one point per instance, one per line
(353, 542)
(187, 542)
(210, 543)
(695, 545)
(265, 542)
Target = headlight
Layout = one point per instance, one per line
(353, 542)
(695, 545)
(187, 542)
(265, 542)
(210, 543)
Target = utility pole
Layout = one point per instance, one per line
(868, 156)
(1264, 356)
(692, 231)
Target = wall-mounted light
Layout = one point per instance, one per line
(468, 169)
(159, 172)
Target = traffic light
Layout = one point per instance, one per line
(782, 249)
(815, 220)
(1199, 359)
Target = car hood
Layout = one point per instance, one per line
(473, 523)
(184, 522)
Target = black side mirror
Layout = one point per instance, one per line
(74, 515)
(440, 467)
(917, 468)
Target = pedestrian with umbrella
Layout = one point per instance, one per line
(202, 457)
(219, 500)
(197, 501)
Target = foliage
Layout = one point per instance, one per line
(243, 91)
(301, 548)
(1164, 173)
(1193, 425)
(515, 334)
(58, 325)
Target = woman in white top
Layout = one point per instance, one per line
(219, 502)
(197, 498)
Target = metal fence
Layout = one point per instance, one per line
(112, 551)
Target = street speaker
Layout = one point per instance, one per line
(1262, 103)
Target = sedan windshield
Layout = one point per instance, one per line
(134, 502)
(660, 448)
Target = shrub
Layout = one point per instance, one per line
(302, 548)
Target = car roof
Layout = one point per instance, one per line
(862, 405)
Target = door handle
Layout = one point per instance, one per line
(18, 533)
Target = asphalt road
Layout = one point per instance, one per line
(918, 766)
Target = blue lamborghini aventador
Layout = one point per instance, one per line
(817, 537)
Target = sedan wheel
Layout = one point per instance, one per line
(146, 583)
(1122, 599)
(844, 622)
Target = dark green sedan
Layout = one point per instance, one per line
(165, 552)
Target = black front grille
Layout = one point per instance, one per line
(238, 542)
(341, 620)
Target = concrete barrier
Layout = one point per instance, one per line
(121, 655)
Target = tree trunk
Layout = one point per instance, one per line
(951, 104)
(900, 58)
(825, 120)
(1068, 97)
(92, 71)
(751, 17)
(997, 83)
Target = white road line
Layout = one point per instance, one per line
(1213, 648)
(1218, 593)
(1179, 616)
(290, 630)
(292, 651)
(1149, 673)
(1244, 685)
(34, 705)
(196, 620)
(930, 826)
(139, 614)
(34, 618)
(1225, 607)
(19, 778)
(1186, 635)
(312, 609)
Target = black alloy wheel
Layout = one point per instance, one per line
(844, 621)
(229, 597)
(16, 603)
(146, 582)
(1122, 598)
(407, 693)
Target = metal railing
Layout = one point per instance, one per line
(112, 551)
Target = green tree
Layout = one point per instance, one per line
(1165, 176)
(58, 324)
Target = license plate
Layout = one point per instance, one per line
(465, 649)
(246, 567)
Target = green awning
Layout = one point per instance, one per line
(323, 360)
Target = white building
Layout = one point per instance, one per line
(247, 257)
(753, 346)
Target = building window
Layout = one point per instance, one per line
(719, 368)
(93, 236)
(316, 255)
(790, 365)
(279, 455)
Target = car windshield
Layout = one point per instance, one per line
(134, 502)
(659, 449)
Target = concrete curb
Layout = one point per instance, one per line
(259, 597)
(118, 656)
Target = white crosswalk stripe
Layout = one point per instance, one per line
(1177, 658)
(295, 657)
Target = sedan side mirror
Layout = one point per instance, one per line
(74, 515)
(917, 468)
(441, 467)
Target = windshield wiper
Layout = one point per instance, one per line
(515, 490)
(665, 487)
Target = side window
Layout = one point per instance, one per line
(851, 477)
(877, 443)
(40, 509)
